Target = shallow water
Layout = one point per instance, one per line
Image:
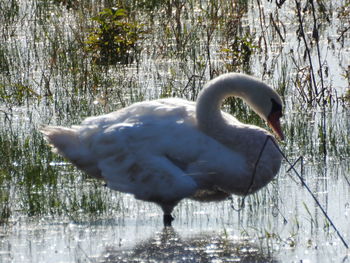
(49, 212)
(281, 224)
(201, 232)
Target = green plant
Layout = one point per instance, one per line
(346, 96)
(17, 94)
(9, 11)
(115, 39)
(67, 3)
(239, 53)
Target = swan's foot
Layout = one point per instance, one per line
(167, 219)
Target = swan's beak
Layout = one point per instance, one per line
(274, 122)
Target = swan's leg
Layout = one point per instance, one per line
(167, 210)
(167, 219)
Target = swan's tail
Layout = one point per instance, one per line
(66, 142)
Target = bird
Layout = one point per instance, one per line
(169, 149)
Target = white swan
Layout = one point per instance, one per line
(169, 149)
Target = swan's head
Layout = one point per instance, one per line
(268, 105)
(261, 97)
(273, 118)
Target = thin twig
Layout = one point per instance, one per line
(302, 33)
(346, 179)
(317, 38)
(343, 33)
(301, 180)
(300, 158)
(253, 177)
(312, 195)
(277, 28)
(262, 23)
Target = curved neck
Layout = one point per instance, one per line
(209, 101)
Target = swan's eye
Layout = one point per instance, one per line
(276, 108)
(274, 118)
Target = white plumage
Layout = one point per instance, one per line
(162, 151)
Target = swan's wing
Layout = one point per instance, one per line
(172, 107)
(151, 178)
(155, 151)
(131, 149)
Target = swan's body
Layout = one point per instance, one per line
(169, 149)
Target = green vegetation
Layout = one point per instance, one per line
(32, 180)
(115, 39)
(239, 53)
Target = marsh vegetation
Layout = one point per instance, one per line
(63, 60)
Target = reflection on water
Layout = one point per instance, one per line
(280, 224)
(168, 245)
(110, 242)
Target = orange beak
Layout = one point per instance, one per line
(275, 124)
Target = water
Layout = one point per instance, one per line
(50, 212)
(283, 229)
